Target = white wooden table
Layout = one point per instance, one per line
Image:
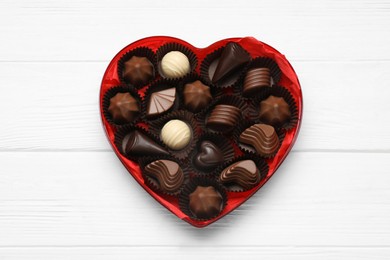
(65, 195)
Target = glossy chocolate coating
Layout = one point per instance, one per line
(196, 96)
(167, 173)
(223, 118)
(256, 79)
(232, 59)
(243, 173)
(209, 156)
(176, 134)
(123, 108)
(161, 101)
(274, 111)
(138, 70)
(205, 202)
(138, 144)
(262, 137)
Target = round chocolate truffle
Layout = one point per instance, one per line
(196, 96)
(123, 108)
(176, 134)
(138, 71)
(175, 64)
(274, 111)
(205, 202)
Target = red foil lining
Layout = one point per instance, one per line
(256, 48)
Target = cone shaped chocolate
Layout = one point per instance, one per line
(138, 144)
(233, 57)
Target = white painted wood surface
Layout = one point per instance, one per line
(64, 194)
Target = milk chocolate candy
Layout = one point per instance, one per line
(196, 96)
(256, 79)
(123, 108)
(242, 173)
(138, 70)
(205, 202)
(223, 118)
(274, 111)
(262, 138)
(167, 173)
(161, 101)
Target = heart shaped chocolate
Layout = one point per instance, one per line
(201, 130)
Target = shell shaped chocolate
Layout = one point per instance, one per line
(161, 101)
(243, 173)
(262, 137)
(167, 173)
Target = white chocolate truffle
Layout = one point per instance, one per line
(175, 64)
(176, 134)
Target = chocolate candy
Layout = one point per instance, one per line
(167, 173)
(223, 118)
(256, 79)
(232, 59)
(196, 96)
(175, 64)
(123, 108)
(138, 70)
(243, 173)
(262, 137)
(161, 101)
(138, 144)
(274, 111)
(176, 134)
(209, 156)
(205, 202)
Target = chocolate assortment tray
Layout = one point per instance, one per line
(201, 130)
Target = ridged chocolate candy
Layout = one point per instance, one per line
(175, 64)
(223, 118)
(256, 79)
(232, 59)
(167, 173)
(123, 108)
(196, 96)
(161, 101)
(138, 70)
(138, 144)
(205, 202)
(262, 137)
(176, 134)
(274, 111)
(243, 173)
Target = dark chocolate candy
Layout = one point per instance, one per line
(262, 137)
(138, 144)
(161, 101)
(167, 173)
(209, 156)
(223, 118)
(123, 108)
(274, 111)
(256, 79)
(243, 173)
(233, 58)
(196, 96)
(205, 202)
(138, 70)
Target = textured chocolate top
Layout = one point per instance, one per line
(205, 202)
(256, 79)
(138, 70)
(168, 174)
(123, 108)
(233, 58)
(243, 173)
(223, 118)
(209, 156)
(196, 96)
(161, 101)
(138, 144)
(262, 137)
(274, 111)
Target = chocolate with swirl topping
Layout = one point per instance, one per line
(167, 173)
(243, 173)
(262, 137)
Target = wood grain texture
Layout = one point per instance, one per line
(88, 199)
(57, 106)
(87, 30)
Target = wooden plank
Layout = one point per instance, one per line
(54, 106)
(85, 30)
(207, 252)
(88, 199)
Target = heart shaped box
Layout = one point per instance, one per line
(255, 48)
